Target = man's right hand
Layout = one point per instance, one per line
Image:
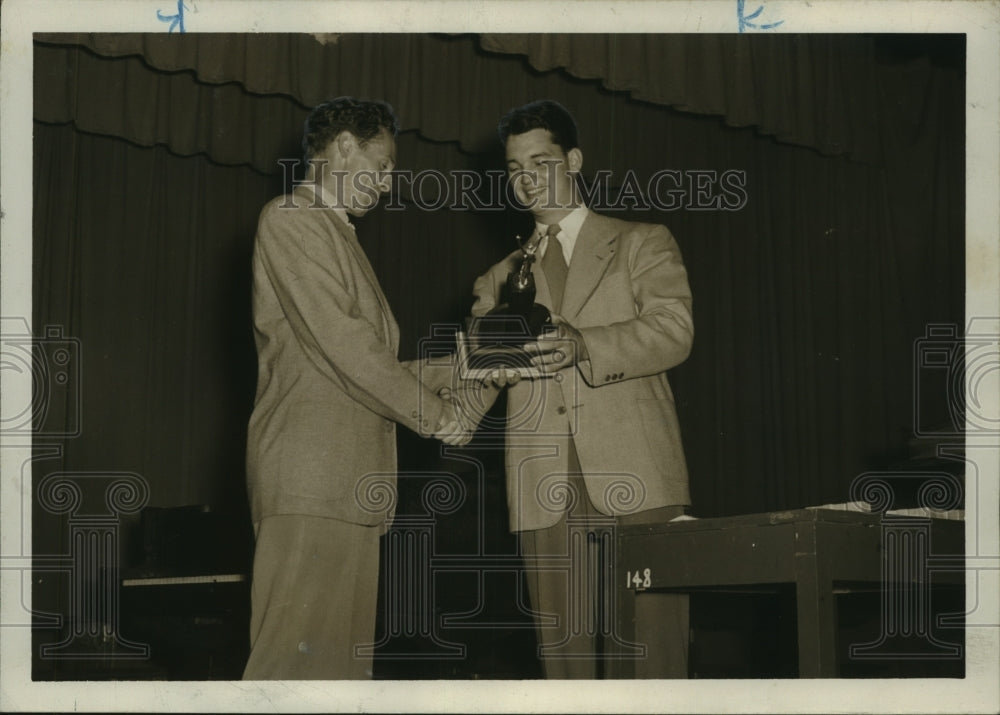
(454, 428)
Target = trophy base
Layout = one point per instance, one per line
(502, 326)
(495, 341)
(479, 362)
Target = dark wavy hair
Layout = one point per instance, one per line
(362, 118)
(542, 114)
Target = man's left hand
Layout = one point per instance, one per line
(560, 347)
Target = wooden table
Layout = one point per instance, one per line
(820, 551)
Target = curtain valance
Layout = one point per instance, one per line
(810, 90)
(441, 86)
(185, 90)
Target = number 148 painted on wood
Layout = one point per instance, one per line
(633, 579)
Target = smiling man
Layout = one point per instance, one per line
(595, 444)
(330, 392)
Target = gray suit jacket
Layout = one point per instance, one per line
(330, 390)
(627, 293)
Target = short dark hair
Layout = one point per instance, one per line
(364, 119)
(542, 114)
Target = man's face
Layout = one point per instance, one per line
(542, 174)
(360, 173)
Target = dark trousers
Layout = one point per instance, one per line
(570, 571)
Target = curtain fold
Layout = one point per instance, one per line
(259, 80)
(127, 98)
(144, 258)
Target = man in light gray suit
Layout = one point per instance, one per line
(330, 391)
(595, 444)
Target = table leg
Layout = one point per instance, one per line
(816, 609)
(620, 662)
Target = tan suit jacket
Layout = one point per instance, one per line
(330, 389)
(627, 293)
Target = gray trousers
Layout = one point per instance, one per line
(570, 571)
(313, 599)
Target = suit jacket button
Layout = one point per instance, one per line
(561, 410)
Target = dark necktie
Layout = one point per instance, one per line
(554, 265)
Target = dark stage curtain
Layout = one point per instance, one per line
(810, 90)
(153, 155)
(144, 257)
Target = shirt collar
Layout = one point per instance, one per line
(569, 230)
(329, 201)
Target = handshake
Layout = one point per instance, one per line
(456, 425)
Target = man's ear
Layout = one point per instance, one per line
(346, 143)
(574, 158)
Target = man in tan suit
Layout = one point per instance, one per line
(596, 444)
(321, 447)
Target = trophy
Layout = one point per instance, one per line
(494, 340)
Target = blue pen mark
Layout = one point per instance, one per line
(177, 21)
(745, 19)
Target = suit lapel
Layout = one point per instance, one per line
(351, 240)
(595, 245)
